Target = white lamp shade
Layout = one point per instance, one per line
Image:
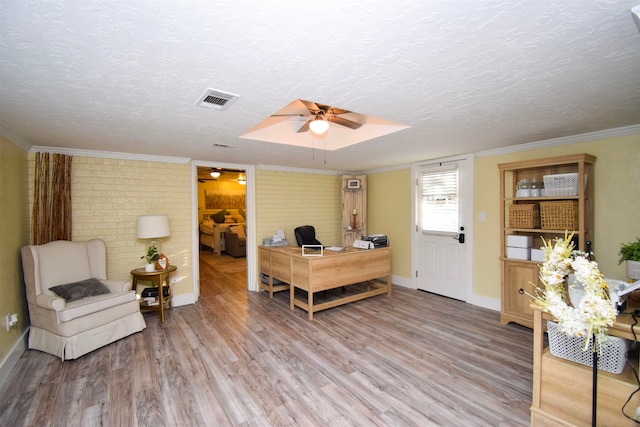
(319, 126)
(152, 226)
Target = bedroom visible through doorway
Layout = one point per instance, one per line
(221, 229)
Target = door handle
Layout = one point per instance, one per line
(460, 237)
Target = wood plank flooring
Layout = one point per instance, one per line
(237, 358)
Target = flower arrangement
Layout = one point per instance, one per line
(595, 312)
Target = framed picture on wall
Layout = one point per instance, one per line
(353, 183)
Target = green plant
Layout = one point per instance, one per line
(630, 251)
(152, 254)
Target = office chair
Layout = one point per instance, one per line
(306, 235)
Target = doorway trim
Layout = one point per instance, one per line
(250, 209)
(467, 206)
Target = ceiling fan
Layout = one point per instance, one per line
(221, 174)
(319, 117)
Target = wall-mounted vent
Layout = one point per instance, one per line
(216, 99)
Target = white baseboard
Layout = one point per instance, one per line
(184, 299)
(485, 302)
(402, 281)
(11, 359)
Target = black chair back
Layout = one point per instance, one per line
(306, 235)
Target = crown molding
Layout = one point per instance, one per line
(574, 139)
(110, 155)
(302, 170)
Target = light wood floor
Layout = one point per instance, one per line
(236, 358)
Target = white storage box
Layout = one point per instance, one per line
(612, 358)
(519, 241)
(562, 184)
(518, 253)
(537, 255)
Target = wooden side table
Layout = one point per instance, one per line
(161, 277)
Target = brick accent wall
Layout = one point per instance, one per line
(286, 200)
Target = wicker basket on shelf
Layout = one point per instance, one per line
(524, 215)
(559, 215)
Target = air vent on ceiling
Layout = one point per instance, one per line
(216, 99)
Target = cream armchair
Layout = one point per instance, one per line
(84, 314)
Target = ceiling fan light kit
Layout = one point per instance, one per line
(215, 173)
(319, 126)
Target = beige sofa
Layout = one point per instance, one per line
(85, 313)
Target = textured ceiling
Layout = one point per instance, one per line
(464, 75)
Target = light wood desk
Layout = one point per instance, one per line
(320, 273)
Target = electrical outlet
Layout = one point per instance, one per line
(11, 320)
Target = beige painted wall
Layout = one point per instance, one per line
(286, 200)
(109, 194)
(617, 205)
(14, 229)
(389, 212)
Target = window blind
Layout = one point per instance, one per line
(439, 204)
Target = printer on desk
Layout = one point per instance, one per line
(378, 240)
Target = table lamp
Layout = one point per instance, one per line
(152, 227)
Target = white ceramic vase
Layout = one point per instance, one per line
(149, 268)
(633, 269)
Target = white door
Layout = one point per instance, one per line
(442, 247)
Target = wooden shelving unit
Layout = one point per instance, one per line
(518, 275)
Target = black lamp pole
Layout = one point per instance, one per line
(594, 396)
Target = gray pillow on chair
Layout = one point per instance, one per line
(79, 290)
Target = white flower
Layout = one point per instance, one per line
(595, 312)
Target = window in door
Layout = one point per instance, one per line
(439, 204)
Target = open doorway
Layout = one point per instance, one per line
(222, 225)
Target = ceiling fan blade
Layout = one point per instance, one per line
(338, 111)
(305, 126)
(344, 122)
(311, 106)
(291, 115)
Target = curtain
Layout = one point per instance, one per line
(51, 215)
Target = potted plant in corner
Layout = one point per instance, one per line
(630, 254)
(151, 257)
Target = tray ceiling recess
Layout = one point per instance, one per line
(290, 125)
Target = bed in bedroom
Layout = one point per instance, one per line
(215, 222)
